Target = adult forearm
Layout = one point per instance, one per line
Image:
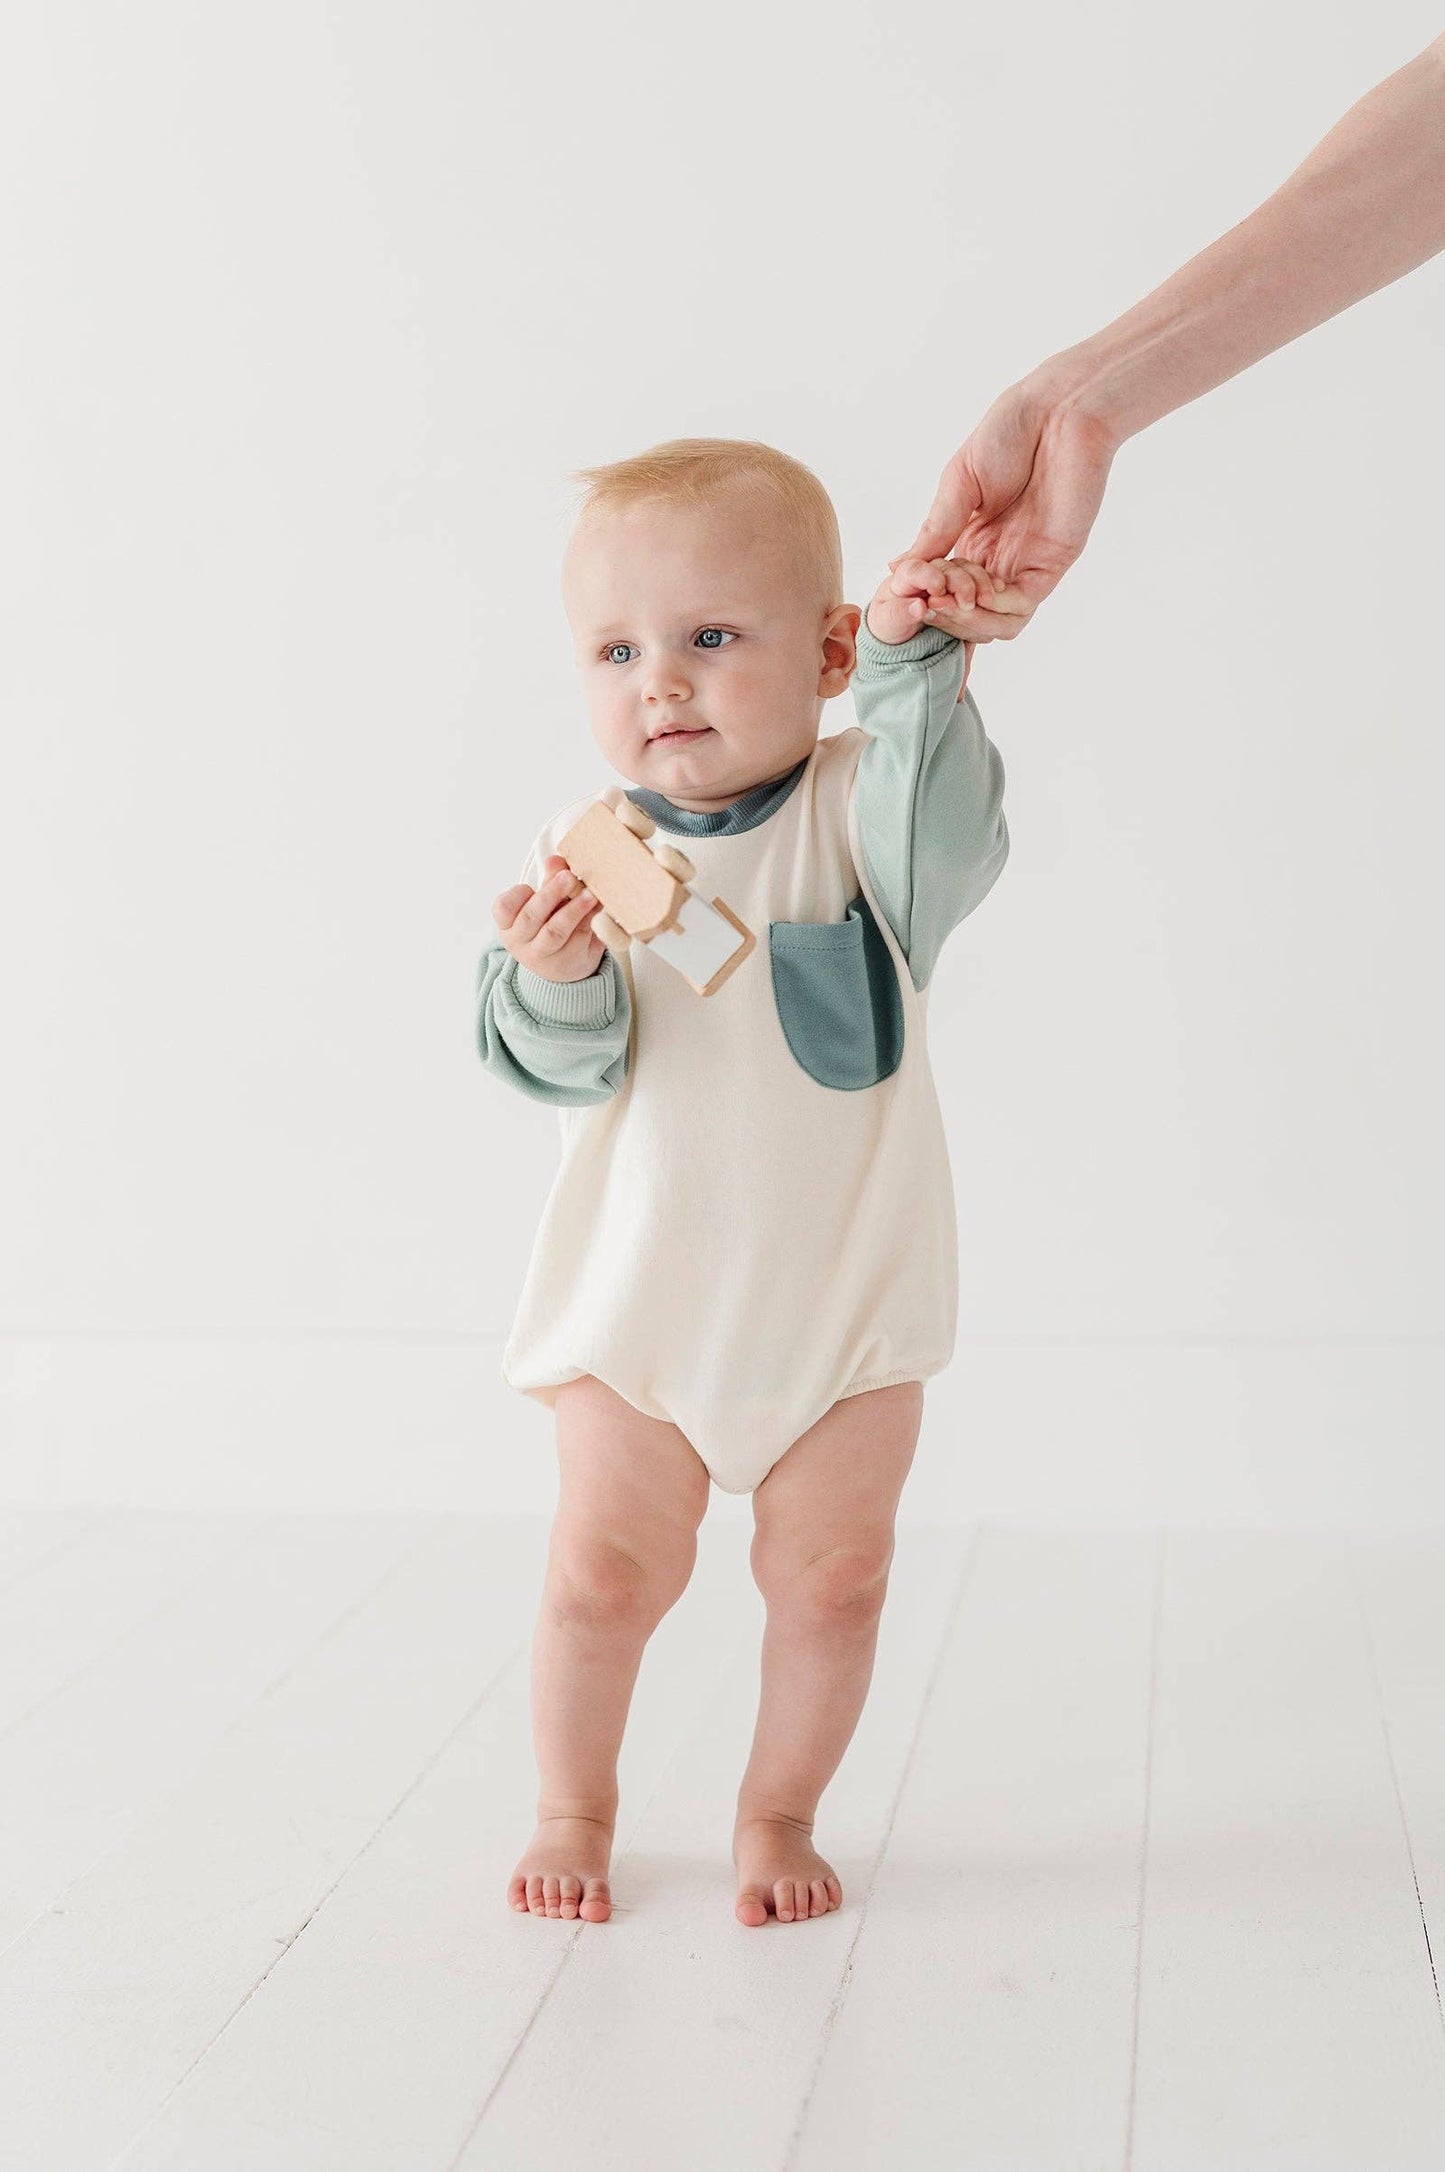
(1365, 207)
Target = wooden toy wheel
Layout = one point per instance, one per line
(632, 818)
(677, 863)
(605, 928)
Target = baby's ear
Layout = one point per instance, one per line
(840, 643)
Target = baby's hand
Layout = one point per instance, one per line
(953, 594)
(549, 929)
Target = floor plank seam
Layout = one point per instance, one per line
(88, 1528)
(1156, 1617)
(56, 1903)
(576, 1929)
(1372, 1655)
(213, 1566)
(845, 1975)
(363, 1598)
(500, 1675)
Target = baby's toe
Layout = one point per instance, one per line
(752, 1905)
(783, 1900)
(596, 1903)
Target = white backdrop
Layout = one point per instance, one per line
(311, 310)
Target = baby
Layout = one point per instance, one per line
(747, 1264)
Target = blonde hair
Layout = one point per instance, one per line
(693, 470)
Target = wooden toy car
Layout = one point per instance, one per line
(644, 895)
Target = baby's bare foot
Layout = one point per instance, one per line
(780, 1872)
(564, 1871)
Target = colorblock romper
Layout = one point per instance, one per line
(753, 1215)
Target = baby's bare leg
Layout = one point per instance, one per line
(632, 1493)
(821, 1553)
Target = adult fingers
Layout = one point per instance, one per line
(986, 625)
(955, 501)
(976, 624)
(1010, 602)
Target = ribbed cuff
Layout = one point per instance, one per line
(585, 1002)
(877, 658)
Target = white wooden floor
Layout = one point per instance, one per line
(1142, 1844)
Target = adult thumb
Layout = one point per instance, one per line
(956, 497)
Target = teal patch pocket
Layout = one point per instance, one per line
(836, 990)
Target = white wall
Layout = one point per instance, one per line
(310, 313)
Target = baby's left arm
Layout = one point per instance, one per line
(929, 790)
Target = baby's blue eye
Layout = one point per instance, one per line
(612, 647)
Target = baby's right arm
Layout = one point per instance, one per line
(555, 1038)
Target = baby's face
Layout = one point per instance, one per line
(695, 617)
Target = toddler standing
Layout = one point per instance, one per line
(747, 1264)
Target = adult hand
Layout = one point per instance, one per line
(1366, 206)
(1020, 496)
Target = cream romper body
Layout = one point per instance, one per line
(760, 1220)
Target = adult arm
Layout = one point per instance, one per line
(1365, 207)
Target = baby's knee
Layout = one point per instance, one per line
(597, 1579)
(844, 1581)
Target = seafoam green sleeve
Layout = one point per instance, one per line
(929, 791)
(564, 1042)
(559, 1041)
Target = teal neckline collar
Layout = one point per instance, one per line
(743, 814)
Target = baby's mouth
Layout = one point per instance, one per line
(679, 737)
